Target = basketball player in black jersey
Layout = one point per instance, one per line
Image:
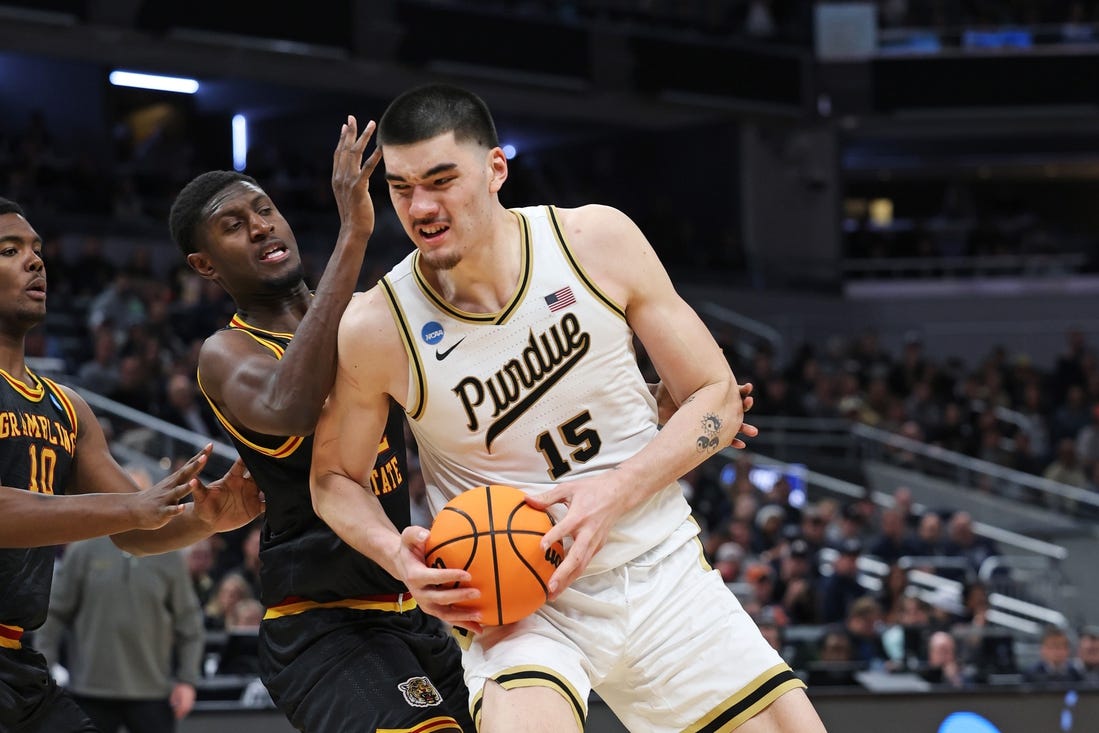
(343, 646)
(60, 484)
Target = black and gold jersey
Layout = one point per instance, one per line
(38, 428)
(301, 558)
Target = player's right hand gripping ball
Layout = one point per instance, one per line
(491, 532)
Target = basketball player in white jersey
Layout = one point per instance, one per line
(508, 339)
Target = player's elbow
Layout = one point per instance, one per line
(320, 495)
(130, 543)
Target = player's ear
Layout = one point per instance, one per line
(201, 264)
(498, 163)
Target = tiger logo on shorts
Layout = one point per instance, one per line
(419, 692)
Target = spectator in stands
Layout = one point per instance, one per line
(249, 563)
(863, 625)
(136, 642)
(904, 640)
(840, 589)
(894, 588)
(943, 667)
(119, 306)
(728, 560)
(100, 373)
(813, 527)
(231, 590)
(244, 616)
(1072, 415)
(200, 561)
(954, 433)
(1087, 441)
(769, 521)
(1054, 663)
(1087, 654)
(902, 502)
(1066, 469)
(853, 524)
(892, 541)
(795, 582)
(761, 577)
(835, 664)
(962, 541)
(182, 407)
(929, 540)
(134, 388)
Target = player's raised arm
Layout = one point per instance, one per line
(283, 396)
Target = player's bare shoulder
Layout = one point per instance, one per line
(367, 316)
(370, 346)
(602, 238)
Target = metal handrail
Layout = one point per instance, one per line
(189, 437)
(1044, 485)
(731, 318)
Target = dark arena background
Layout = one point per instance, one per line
(887, 213)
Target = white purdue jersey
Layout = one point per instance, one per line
(546, 390)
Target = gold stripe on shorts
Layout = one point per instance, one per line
(748, 701)
(534, 676)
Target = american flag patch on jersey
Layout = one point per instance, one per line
(561, 299)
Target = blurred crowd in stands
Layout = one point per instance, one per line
(1004, 409)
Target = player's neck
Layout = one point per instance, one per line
(488, 275)
(13, 356)
(281, 312)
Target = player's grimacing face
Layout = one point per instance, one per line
(22, 271)
(246, 235)
(442, 192)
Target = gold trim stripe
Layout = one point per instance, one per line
(416, 410)
(293, 609)
(34, 394)
(535, 676)
(757, 695)
(290, 445)
(574, 263)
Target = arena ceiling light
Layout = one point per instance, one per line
(156, 82)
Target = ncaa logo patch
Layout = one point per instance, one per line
(432, 333)
(419, 692)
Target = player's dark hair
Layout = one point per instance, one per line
(7, 206)
(425, 112)
(187, 209)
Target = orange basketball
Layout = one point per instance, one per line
(491, 532)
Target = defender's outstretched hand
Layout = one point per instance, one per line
(232, 501)
(351, 179)
(156, 506)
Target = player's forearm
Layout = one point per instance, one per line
(39, 520)
(705, 423)
(357, 517)
(182, 531)
(307, 369)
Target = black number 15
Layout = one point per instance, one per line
(586, 441)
